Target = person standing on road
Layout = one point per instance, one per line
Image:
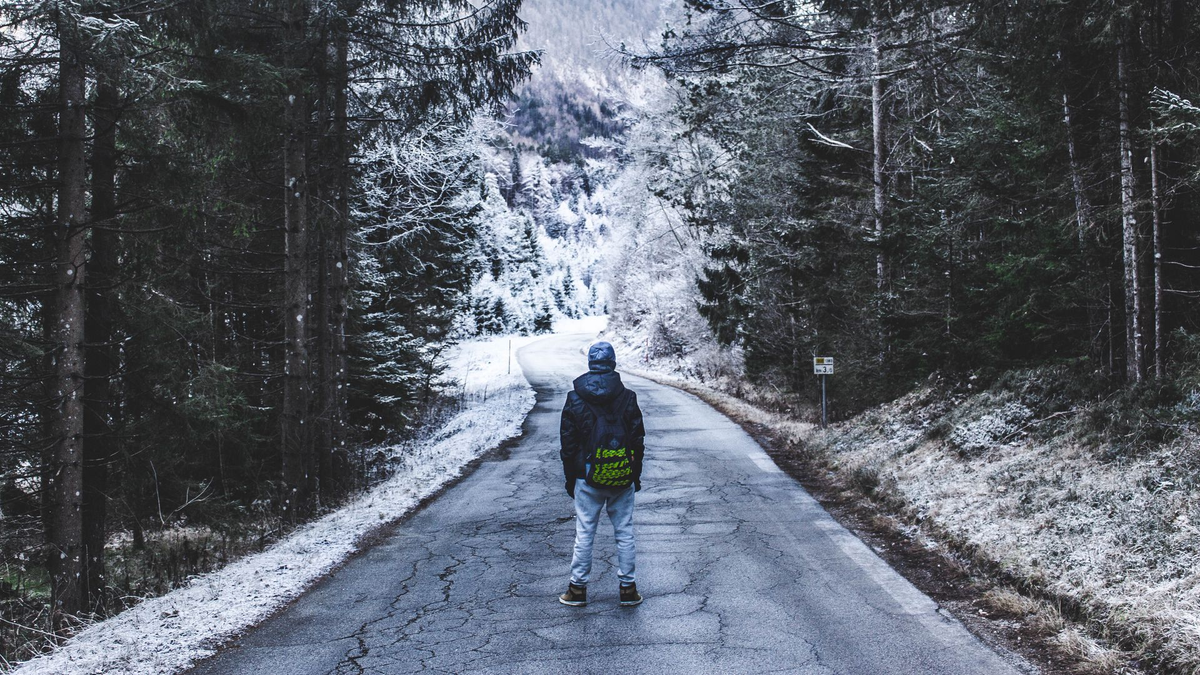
(603, 442)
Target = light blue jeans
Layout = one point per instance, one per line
(589, 501)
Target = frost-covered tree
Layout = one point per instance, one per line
(509, 262)
(657, 251)
(417, 218)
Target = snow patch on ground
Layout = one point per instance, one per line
(170, 633)
(587, 324)
(993, 428)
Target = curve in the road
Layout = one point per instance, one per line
(742, 570)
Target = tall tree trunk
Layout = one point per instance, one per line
(948, 274)
(879, 148)
(48, 410)
(1083, 218)
(339, 255)
(320, 172)
(1111, 301)
(101, 357)
(1129, 225)
(64, 524)
(323, 390)
(295, 437)
(1156, 216)
(328, 393)
(1083, 208)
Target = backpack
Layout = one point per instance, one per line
(611, 461)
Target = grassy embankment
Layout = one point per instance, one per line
(1075, 505)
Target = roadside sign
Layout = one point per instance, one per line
(823, 365)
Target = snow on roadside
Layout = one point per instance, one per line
(170, 633)
(587, 324)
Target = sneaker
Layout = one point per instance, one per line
(630, 596)
(576, 596)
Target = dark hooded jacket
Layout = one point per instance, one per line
(601, 386)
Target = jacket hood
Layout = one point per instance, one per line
(599, 388)
(602, 358)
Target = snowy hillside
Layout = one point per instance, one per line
(575, 34)
(551, 170)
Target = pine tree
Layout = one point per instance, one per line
(297, 371)
(544, 321)
(570, 294)
(64, 474)
(1129, 224)
(516, 181)
(102, 357)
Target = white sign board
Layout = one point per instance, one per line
(822, 365)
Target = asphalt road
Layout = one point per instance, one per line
(743, 572)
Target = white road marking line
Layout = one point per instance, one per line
(764, 463)
(909, 597)
(914, 603)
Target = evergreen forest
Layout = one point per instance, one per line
(237, 238)
(920, 187)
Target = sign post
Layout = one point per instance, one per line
(823, 366)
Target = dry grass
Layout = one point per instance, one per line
(1010, 603)
(1091, 657)
(1048, 622)
(1117, 539)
